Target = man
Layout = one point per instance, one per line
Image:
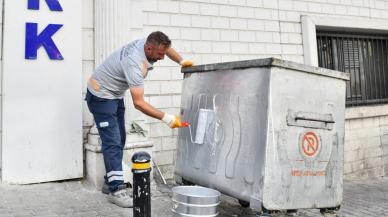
(125, 69)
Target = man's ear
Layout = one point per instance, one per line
(147, 48)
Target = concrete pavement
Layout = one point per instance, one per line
(75, 198)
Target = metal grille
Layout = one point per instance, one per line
(364, 57)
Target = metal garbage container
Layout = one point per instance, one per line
(274, 134)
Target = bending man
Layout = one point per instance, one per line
(125, 69)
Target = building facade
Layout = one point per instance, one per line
(346, 35)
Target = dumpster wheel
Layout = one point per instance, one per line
(277, 213)
(243, 203)
(291, 212)
(181, 181)
(266, 212)
(186, 182)
(329, 211)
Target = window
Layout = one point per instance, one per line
(364, 57)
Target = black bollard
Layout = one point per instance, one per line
(141, 169)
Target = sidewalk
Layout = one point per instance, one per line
(75, 198)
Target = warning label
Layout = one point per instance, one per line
(307, 173)
(309, 144)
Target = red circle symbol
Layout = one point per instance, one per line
(310, 144)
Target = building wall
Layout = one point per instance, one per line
(87, 56)
(1, 77)
(209, 31)
(366, 142)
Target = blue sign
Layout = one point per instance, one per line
(52, 4)
(35, 41)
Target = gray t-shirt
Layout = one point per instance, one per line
(125, 68)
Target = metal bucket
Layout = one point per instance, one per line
(195, 201)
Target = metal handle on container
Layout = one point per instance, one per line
(310, 120)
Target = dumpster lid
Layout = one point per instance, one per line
(267, 62)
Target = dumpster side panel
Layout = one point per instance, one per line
(231, 156)
(305, 141)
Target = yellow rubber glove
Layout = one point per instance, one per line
(172, 121)
(186, 63)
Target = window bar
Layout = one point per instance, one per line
(376, 66)
(364, 71)
(327, 52)
(360, 74)
(360, 71)
(324, 52)
(360, 80)
(329, 56)
(319, 61)
(372, 82)
(385, 61)
(369, 69)
(320, 53)
(343, 55)
(328, 48)
(373, 69)
(349, 69)
(330, 52)
(357, 79)
(382, 79)
(343, 66)
(353, 68)
(378, 69)
(334, 48)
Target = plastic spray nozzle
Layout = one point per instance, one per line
(185, 124)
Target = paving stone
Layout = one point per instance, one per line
(74, 198)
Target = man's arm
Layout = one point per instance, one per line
(139, 103)
(174, 56)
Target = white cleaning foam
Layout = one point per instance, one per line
(204, 116)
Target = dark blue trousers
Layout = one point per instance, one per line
(109, 117)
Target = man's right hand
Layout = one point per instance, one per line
(172, 121)
(186, 63)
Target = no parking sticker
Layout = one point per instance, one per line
(310, 144)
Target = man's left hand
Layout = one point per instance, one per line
(186, 63)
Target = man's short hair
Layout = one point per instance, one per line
(158, 38)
